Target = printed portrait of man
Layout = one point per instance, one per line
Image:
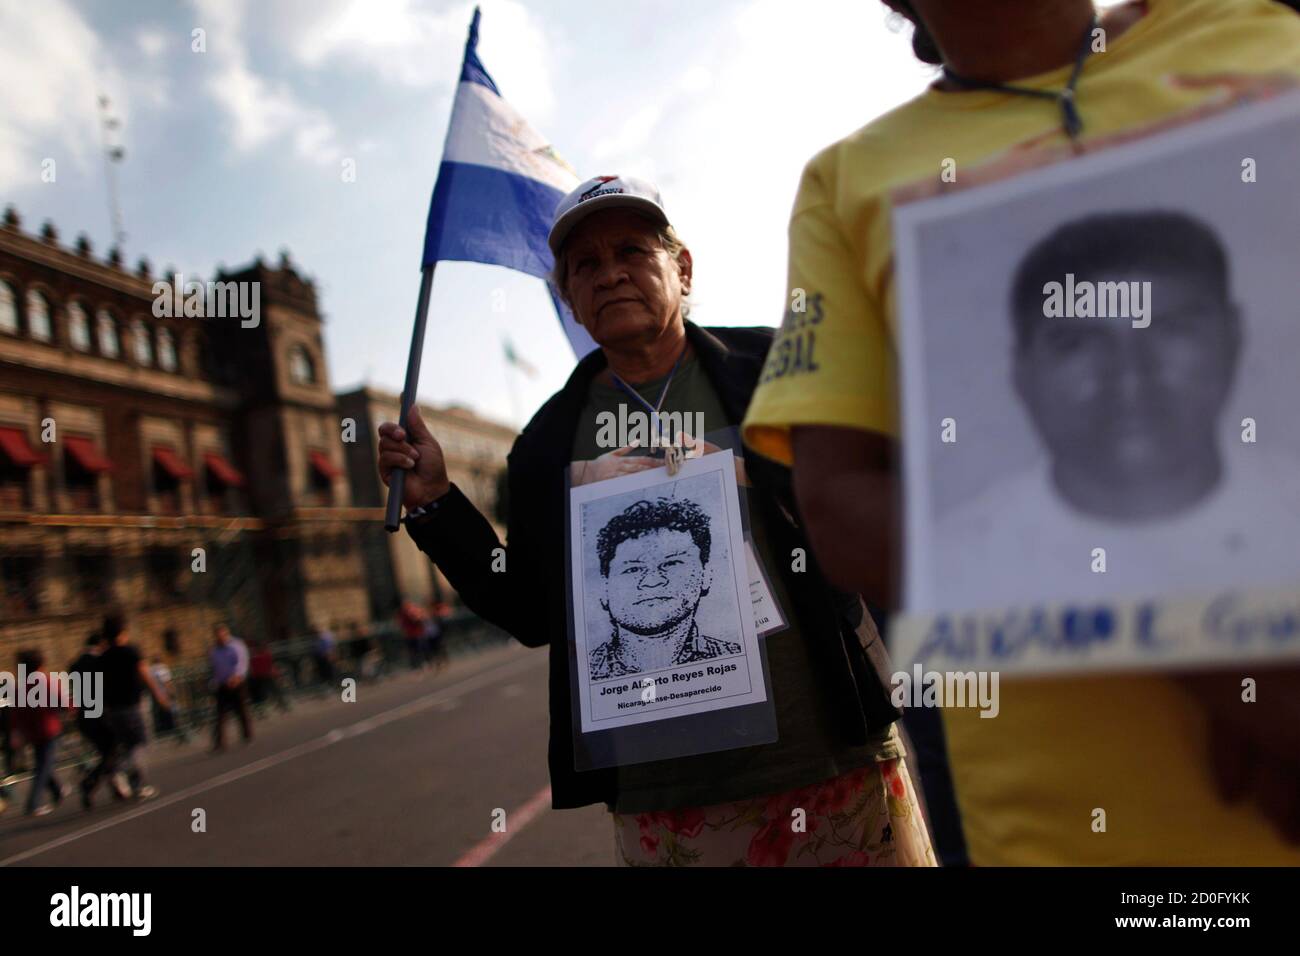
(1129, 417)
(654, 563)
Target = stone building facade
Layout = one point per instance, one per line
(184, 469)
(474, 449)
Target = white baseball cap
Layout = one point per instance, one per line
(604, 192)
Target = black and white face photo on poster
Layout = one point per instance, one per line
(657, 560)
(662, 595)
(1101, 396)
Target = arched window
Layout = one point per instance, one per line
(8, 309)
(301, 369)
(166, 351)
(38, 316)
(107, 330)
(141, 343)
(78, 327)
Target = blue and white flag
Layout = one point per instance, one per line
(498, 187)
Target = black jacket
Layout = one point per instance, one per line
(529, 598)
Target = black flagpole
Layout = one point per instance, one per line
(397, 480)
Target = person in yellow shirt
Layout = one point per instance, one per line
(1184, 776)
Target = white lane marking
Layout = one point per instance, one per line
(334, 736)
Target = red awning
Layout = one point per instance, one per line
(13, 441)
(86, 454)
(171, 463)
(324, 467)
(226, 473)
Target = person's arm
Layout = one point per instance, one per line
(158, 693)
(241, 665)
(846, 486)
(456, 536)
(1254, 746)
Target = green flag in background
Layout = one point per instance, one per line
(516, 361)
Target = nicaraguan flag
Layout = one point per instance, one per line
(498, 187)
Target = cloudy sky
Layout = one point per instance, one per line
(239, 149)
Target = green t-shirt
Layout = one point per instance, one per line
(806, 750)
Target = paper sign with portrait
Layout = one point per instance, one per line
(663, 618)
(1102, 455)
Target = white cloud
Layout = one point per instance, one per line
(259, 109)
(151, 41)
(52, 66)
(727, 142)
(406, 44)
(633, 133)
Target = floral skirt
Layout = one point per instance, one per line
(868, 817)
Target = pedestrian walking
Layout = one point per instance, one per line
(229, 660)
(264, 677)
(126, 678)
(435, 650)
(41, 727)
(323, 653)
(92, 724)
(410, 621)
(6, 751)
(360, 649)
(164, 718)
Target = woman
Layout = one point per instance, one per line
(1026, 83)
(41, 727)
(834, 788)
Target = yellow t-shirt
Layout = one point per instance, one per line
(1026, 783)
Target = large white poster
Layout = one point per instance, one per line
(1101, 405)
(663, 614)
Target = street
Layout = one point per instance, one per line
(411, 773)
